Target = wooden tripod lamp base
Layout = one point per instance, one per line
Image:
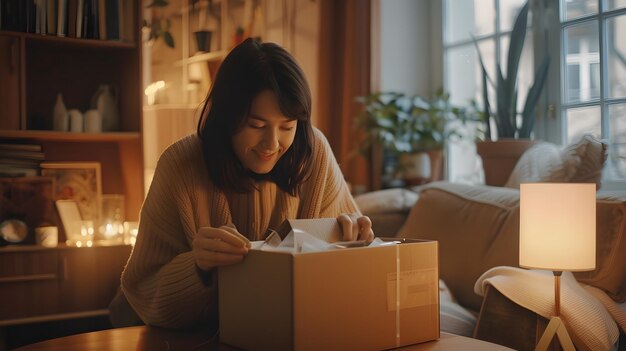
(555, 327)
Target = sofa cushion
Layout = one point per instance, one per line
(581, 162)
(386, 201)
(478, 228)
(610, 272)
(386, 208)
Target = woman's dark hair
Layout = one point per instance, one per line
(250, 68)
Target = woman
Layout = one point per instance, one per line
(254, 162)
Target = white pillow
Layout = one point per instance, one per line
(538, 164)
(386, 201)
(589, 154)
(581, 162)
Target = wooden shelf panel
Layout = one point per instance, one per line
(207, 56)
(79, 42)
(67, 136)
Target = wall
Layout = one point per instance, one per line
(295, 26)
(410, 46)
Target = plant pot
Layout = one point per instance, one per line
(500, 157)
(203, 40)
(421, 167)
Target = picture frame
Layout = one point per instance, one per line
(70, 216)
(77, 181)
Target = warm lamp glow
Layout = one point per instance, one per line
(558, 226)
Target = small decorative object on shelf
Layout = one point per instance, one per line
(111, 228)
(105, 101)
(203, 40)
(59, 113)
(202, 34)
(47, 236)
(93, 121)
(76, 120)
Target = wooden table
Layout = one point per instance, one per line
(157, 339)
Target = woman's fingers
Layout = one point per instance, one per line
(214, 247)
(365, 228)
(242, 239)
(225, 233)
(346, 227)
(356, 227)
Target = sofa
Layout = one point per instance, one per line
(477, 227)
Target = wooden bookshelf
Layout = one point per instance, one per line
(34, 68)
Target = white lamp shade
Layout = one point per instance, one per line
(558, 226)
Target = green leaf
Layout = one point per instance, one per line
(528, 113)
(169, 40)
(516, 44)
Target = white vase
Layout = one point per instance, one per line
(105, 101)
(93, 121)
(76, 121)
(60, 119)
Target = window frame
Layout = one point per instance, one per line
(557, 23)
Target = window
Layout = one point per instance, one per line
(490, 23)
(583, 38)
(593, 79)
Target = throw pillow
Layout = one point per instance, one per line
(581, 162)
(386, 201)
(540, 163)
(589, 155)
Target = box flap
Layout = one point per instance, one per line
(326, 229)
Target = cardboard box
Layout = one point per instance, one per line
(368, 298)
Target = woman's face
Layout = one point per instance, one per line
(266, 135)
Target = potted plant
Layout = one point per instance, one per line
(413, 129)
(513, 127)
(203, 10)
(159, 26)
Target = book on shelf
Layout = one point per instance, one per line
(92, 19)
(79, 18)
(21, 147)
(126, 21)
(19, 159)
(22, 155)
(51, 17)
(15, 171)
(113, 19)
(41, 17)
(61, 17)
(102, 34)
(72, 11)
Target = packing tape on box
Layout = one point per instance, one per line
(409, 289)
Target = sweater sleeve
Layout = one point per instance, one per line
(326, 193)
(160, 279)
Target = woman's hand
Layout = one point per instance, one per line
(356, 227)
(213, 247)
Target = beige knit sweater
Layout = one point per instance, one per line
(160, 280)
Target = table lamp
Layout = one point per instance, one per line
(557, 233)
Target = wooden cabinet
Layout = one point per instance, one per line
(35, 68)
(44, 284)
